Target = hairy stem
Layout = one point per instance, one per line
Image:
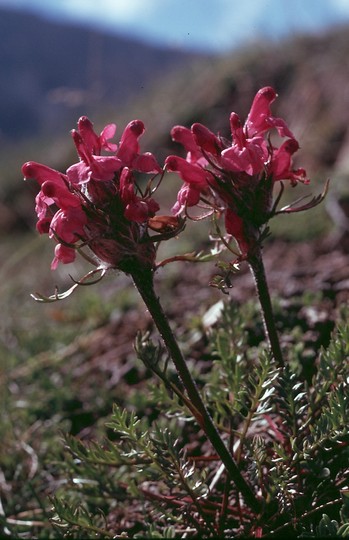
(257, 268)
(143, 280)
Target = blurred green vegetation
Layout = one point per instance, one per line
(57, 400)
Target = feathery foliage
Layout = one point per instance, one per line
(290, 439)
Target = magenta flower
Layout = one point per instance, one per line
(236, 178)
(97, 203)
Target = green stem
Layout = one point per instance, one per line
(143, 280)
(257, 268)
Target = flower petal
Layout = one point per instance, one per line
(129, 146)
(42, 173)
(63, 254)
(189, 172)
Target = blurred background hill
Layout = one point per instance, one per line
(51, 72)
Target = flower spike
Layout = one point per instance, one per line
(237, 178)
(97, 203)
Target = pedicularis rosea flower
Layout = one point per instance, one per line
(97, 201)
(236, 177)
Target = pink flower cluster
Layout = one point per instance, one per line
(95, 202)
(236, 177)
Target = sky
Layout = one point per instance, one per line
(208, 25)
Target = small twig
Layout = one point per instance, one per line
(306, 515)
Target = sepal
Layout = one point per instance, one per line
(85, 280)
(315, 201)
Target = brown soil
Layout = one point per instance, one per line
(292, 269)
